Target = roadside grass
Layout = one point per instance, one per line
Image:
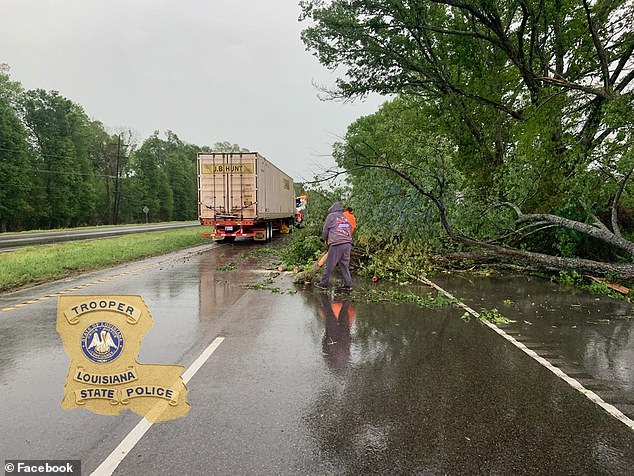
(35, 264)
(95, 227)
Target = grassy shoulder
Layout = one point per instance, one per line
(36, 264)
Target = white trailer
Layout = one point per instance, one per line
(241, 194)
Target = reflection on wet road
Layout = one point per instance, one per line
(426, 392)
(338, 315)
(312, 383)
(589, 337)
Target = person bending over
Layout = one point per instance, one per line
(337, 233)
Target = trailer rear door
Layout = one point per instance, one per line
(227, 185)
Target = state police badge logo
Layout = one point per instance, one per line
(102, 335)
(102, 342)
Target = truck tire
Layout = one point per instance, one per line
(269, 231)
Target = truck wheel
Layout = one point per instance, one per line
(269, 231)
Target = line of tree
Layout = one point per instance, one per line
(509, 129)
(59, 168)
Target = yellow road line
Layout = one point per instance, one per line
(100, 281)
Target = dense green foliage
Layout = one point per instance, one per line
(505, 117)
(306, 246)
(400, 137)
(380, 250)
(59, 168)
(15, 172)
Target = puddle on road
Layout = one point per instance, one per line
(590, 337)
(411, 390)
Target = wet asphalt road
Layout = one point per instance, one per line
(589, 336)
(305, 383)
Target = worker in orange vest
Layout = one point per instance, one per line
(337, 234)
(351, 219)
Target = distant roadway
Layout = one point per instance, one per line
(14, 240)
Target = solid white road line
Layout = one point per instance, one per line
(129, 442)
(593, 397)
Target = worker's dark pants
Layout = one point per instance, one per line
(338, 254)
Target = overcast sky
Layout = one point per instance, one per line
(209, 70)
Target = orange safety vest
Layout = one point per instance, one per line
(351, 219)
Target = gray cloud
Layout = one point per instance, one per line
(210, 71)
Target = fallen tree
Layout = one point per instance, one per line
(597, 230)
(513, 102)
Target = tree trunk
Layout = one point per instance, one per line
(554, 263)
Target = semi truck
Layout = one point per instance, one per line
(243, 195)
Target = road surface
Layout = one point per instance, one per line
(301, 382)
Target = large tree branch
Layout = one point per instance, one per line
(625, 57)
(546, 261)
(605, 72)
(562, 83)
(620, 87)
(551, 262)
(542, 260)
(615, 205)
(557, 263)
(598, 233)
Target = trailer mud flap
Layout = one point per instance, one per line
(259, 234)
